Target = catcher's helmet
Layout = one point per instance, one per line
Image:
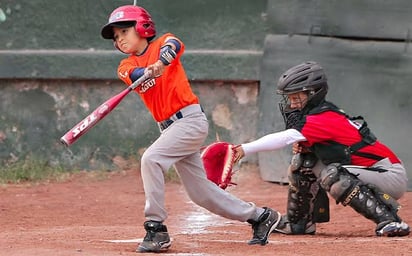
(130, 15)
(306, 77)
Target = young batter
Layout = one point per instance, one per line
(183, 125)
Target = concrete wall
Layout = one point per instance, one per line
(61, 39)
(55, 68)
(35, 114)
(376, 19)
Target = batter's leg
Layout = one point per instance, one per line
(208, 195)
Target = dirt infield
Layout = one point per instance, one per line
(90, 215)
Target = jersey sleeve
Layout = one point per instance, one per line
(124, 70)
(273, 141)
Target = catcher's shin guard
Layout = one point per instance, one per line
(307, 203)
(347, 189)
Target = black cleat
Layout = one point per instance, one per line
(156, 240)
(392, 229)
(262, 228)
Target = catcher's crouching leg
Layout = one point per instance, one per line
(347, 189)
(307, 202)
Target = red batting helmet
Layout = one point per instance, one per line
(144, 24)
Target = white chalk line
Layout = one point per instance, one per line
(294, 241)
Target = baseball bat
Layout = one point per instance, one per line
(99, 113)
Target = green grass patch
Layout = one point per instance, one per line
(34, 170)
(31, 170)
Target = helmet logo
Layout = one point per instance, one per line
(116, 16)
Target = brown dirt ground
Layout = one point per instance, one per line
(91, 215)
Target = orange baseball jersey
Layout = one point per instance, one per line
(166, 94)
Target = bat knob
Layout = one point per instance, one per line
(64, 141)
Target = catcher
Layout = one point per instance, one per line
(183, 125)
(333, 152)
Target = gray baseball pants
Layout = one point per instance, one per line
(393, 182)
(179, 145)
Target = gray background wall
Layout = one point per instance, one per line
(55, 69)
(56, 39)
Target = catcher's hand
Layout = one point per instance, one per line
(239, 153)
(297, 148)
(218, 160)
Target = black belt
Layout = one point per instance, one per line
(166, 123)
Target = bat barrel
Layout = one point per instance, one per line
(91, 120)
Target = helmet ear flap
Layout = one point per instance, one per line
(145, 29)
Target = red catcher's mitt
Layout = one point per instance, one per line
(218, 159)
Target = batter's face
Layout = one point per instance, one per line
(298, 100)
(128, 41)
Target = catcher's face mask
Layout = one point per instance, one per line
(292, 102)
(297, 101)
(291, 106)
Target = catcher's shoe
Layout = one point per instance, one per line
(157, 239)
(393, 228)
(264, 226)
(288, 228)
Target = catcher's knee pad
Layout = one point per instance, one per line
(341, 184)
